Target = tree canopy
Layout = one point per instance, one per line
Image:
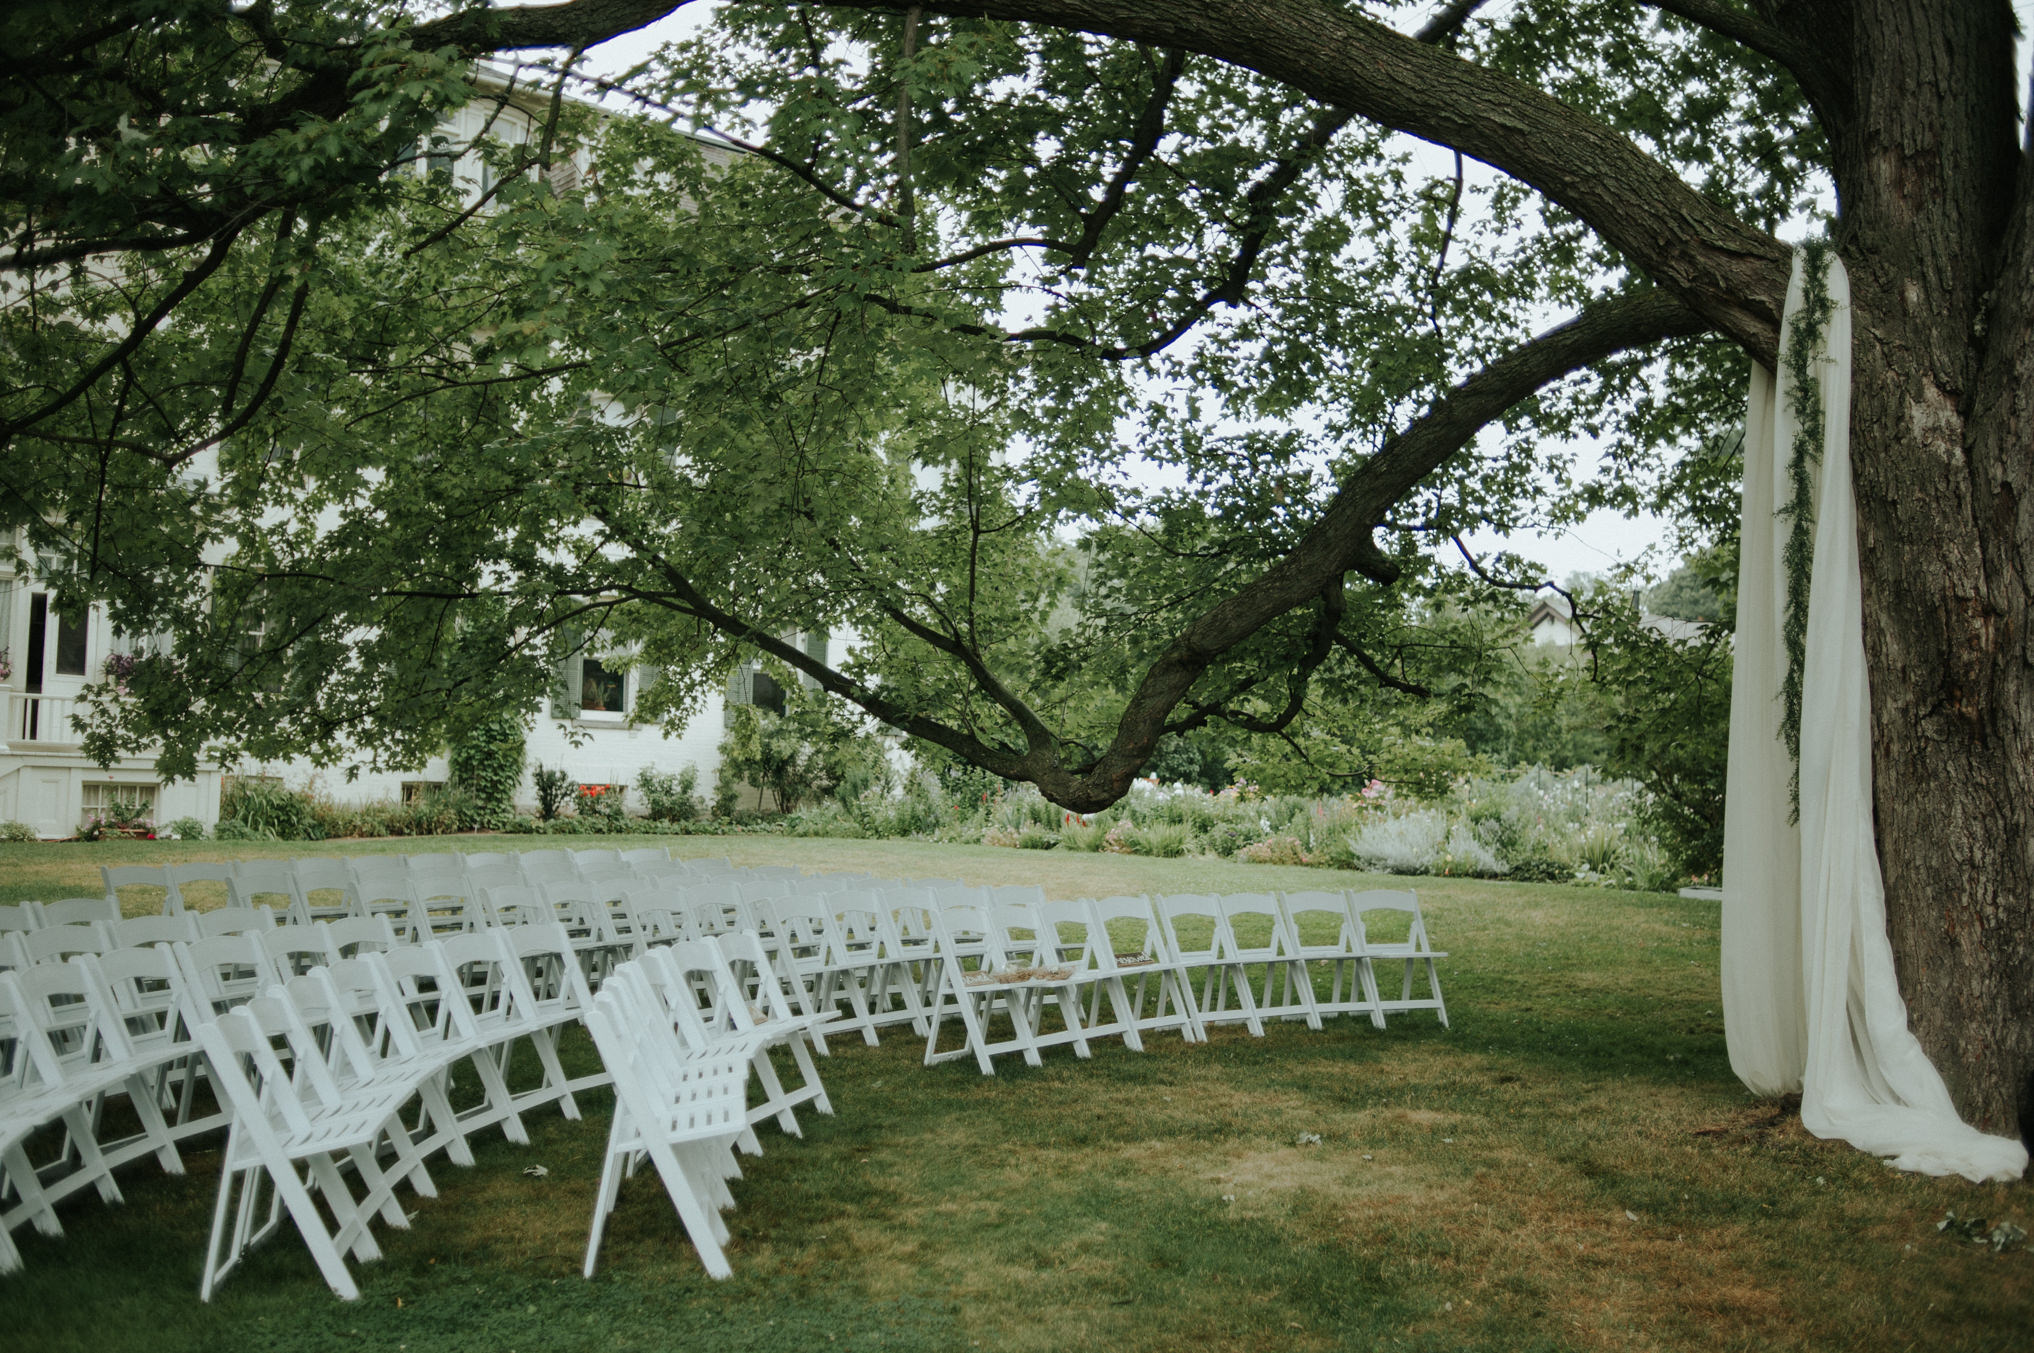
(971, 288)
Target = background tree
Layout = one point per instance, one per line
(1137, 173)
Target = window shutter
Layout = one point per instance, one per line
(741, 689)
(565, 677)
(641, 678)
(563, 176)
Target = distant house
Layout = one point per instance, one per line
(1551, 623)
(587, 729)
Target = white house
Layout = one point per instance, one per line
(46, 780)
(47, 659)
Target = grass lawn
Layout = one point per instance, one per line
(1572, 1165)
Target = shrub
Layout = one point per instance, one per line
(826, 819)
(435, 812)
(183, 829)
(669, 798)
(487, 767)
(231, 829)
(1165, 840)
(1034, 837)
(609, 803)
(20, 831)
(1409, 843)
(554, 790)
(1274, 850)
(1461, 854)
(993, 835)
(272, 812)
(1077, 833)
(727, 794)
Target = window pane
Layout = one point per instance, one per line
(38, 629)
(599, 688)
(70, 646)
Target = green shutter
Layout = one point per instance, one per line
(565, 676)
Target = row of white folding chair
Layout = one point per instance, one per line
(1015, 959)
(290, 878)
(171, 879)
(1254, 963)
(20, 917)
(73, 1034)
(389, 1029)
(1352, 955)
(1265, 933)
(680, 1097)
(55, 943)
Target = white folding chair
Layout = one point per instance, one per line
(380, 1040)
(224, 971)
(547, 866)
(137, 889)
(19, 916)
(58, 943)
(324, 888)
(442, 902)
(769, 1014)
(76, 911)
(1136, 947)
(681, 1107)
(144, 990)
(442, 1014)
(65, 1022)
(1254, 934)
(232, 921)
(1395, 910)
(293, 950)
(351, 936)
(989, 965)
(289, 1116)
(381, 887)
(560, 997)
(269, 884)
(200, 872)
(1328, 932)
(1191, 924)
(132, 932)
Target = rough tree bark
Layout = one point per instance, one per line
(1935, 232)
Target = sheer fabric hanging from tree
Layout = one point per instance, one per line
(1810, 1001)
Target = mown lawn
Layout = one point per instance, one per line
(1572, 1165)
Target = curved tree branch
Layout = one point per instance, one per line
(1733, 275)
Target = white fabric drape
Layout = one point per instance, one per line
(1809, 997)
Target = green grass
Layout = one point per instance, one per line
(1571, 1166)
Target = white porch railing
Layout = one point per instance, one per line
(44, 720)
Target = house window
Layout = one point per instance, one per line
(765, 693)
(602, 690)
(106, 799)
(70, 645)
(416, 791)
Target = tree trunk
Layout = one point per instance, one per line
(1935, 235)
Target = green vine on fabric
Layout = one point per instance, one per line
(1805, 339)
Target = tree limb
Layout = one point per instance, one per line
(1733, 275)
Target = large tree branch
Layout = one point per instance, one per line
(1731, 274)
(1341, 540)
